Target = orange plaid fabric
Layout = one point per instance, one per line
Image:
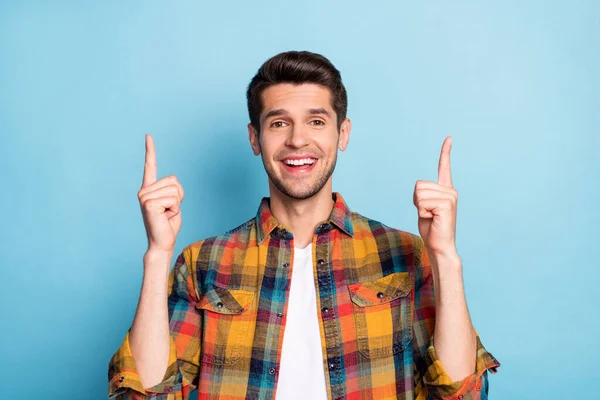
(227, 310)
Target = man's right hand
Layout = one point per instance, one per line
(159, 201)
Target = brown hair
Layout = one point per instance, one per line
(296, 67)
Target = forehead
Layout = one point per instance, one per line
(295, 98)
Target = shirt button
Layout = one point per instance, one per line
(121, 379)
(279, 315)
(331, 366)
(380, 295)
(272, 371)
(220, 305)
(460, 397)
(325, 310)
(321, 261)
(285, 265)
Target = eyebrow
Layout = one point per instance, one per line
(312, 111)
(319, 111)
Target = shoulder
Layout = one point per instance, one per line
(366, 228)
(397, 250)
(204, 250)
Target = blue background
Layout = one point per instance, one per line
(516, 85)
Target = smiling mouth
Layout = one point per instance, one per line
(299, 162)
(299, 166)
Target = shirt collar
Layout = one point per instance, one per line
(341, 216)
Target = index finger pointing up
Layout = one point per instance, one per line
(150, 164)
(444, 174)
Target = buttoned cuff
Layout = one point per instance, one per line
(439, 384)
(123, 377)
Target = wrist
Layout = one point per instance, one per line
(446, 263)
(157, 265)
(158, 257)
(445, 257)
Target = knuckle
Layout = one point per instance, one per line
(147, 203)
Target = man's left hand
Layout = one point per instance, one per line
(436, 206)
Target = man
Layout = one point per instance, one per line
(307, 299)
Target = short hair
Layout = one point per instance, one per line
(296, 67)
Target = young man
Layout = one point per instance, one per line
(307, 299)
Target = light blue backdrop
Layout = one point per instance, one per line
(516, 85)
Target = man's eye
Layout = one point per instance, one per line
(277, 124)
(317, 122)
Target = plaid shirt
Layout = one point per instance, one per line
(228, 296)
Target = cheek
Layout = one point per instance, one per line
(268, 150)
(330, 147)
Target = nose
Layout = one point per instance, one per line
(298, 136)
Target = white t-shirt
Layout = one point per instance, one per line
(302, 374)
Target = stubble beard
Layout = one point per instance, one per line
(305, 191)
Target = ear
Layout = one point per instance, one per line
(345, 129)
(253, 137)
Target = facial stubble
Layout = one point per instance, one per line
(289, 190)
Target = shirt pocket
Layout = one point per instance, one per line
(382, 311)
(226, 322)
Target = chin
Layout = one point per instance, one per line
(295, 192)
(298, 189)
(303, 195)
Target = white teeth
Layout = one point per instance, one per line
(300, 162)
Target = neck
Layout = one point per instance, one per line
(301, 216)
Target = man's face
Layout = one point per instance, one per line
(299, 138)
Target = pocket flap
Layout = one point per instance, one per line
(225, 301)
(380, 290)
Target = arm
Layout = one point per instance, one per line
(175, 357)
(432, 378)
(160, 351)
(460, 370)
(149, 334)
(454, 334)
